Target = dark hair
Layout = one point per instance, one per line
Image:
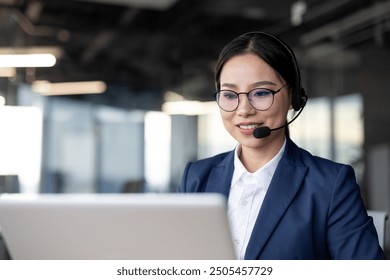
(271, 49)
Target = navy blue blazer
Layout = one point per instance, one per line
(312, 210)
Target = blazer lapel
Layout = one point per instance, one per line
(285, 184)
(221, 176)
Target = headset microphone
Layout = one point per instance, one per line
(264, 131)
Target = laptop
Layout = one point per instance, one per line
(116, 226)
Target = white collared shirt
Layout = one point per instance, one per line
(246, 196)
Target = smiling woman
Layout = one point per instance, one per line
(245, 73)
(277, 192)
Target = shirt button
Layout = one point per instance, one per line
(251, 179)
(236, 241)
(244, 203)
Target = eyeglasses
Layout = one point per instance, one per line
(260, 98)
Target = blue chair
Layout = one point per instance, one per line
(379, 218)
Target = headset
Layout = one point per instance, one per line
(299, 97)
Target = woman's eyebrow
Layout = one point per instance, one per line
(228, 85)
(263, 83)
(256, 84)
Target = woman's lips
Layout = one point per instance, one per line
(247, 128)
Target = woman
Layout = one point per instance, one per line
(283, 203)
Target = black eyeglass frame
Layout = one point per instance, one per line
(247, 95)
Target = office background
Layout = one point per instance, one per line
(152, 110)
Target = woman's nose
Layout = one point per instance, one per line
(244, 106)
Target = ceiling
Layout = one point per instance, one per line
(142, 48)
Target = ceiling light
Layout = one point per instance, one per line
(70, 88)
(298, 9)
(56, 51)
(7, 72)
(33, 56)
(146, 4)
(189, 108)
(173, 96)
(27, 60)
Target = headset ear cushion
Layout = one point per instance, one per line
(304, 97)
(296, 103)
(299, 99)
